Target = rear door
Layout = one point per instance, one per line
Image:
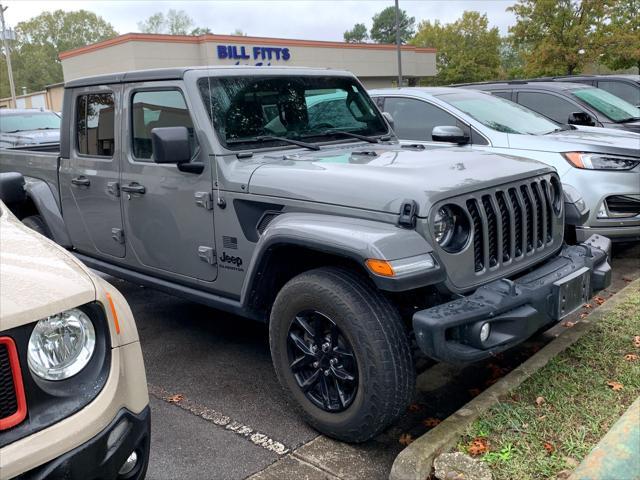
(89, 177)
(168, 213)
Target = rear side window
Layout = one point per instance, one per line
(415, 119)
(95, 124)
(624, 90)
(156, 109)
(551, 106)
(502, 93)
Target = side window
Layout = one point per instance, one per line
(154, 109)
(551, 106)
(415, 119)
(624, 90)
(95, 124)
(502, 93)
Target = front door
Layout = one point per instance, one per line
(168, 215)
(89, 177)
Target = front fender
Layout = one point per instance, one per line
(352, 238)
(40, 193)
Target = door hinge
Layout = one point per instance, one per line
(204, 200)
(207, 254)
(408, 214)
(117, 234)
(113, 188)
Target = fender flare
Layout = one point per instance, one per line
(353, 238)
(45, 202)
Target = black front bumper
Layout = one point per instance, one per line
(103, 456)
(516, 309)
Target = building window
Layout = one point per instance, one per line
(163, 108)
(95, 124)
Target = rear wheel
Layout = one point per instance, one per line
(36, 223)
(340, 350)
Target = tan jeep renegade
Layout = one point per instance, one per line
(73, 392)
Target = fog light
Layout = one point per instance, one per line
(129, 464)
(485, 331)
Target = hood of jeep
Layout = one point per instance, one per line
(381, 177)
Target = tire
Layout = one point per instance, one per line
(370, 325)
(36, 223)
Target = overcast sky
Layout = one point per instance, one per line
(311, 20)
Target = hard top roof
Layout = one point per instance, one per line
(519, 83)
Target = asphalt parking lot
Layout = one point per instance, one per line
(219, 413)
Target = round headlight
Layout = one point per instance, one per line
(443, 223)
(61, 345)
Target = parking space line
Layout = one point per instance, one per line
(210, 415)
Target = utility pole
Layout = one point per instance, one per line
(7, 54)
(398, 45)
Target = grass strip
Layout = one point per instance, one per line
(547, 425)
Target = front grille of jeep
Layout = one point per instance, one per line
(511, 223)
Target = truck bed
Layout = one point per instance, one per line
(33, 162)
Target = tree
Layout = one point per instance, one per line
(238, 32)
(200, 31)
(620, 36)
(34, 54)
(176, 22)
(358, 34)
(557, 36)
(511, 62)
(384, 26)
(467, 50)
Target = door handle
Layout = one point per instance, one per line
(133, 188)
(81, 180)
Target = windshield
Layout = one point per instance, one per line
(608, 104)
(500, 114)
(20, 122)
(248, 111)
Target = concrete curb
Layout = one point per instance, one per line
(415, 461)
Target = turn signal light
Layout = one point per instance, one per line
(380, 267)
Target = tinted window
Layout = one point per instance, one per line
(506, 95)
(150, 110)
(95, 124)
(551, 106)
(624, 90)
(245, 110)
(414, 119)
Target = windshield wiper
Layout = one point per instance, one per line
(627, 120)
(11, 131)
(47, 128)
(268, 138)
(366, 138)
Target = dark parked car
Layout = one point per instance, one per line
(626, 87)
(572, 103)
(19, 127)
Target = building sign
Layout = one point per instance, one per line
(260, 55)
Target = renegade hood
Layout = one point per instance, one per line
(382, 177)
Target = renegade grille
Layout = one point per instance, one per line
(8, 398)
(511, 223)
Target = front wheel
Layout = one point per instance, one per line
(340, 350)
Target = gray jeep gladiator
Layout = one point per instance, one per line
(253, 191)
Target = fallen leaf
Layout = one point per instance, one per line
(175, 398)
(615, 386)
(478, 446)
(474, 392)
(431, 422)
(568, 324)
(599, 300)
(627, 279)
(563, 474)
(414, 407)
(631, 357)
(540, 401)
(549, 447)
(405, 439)
(587, 305)
(636, 341)
(582, 315)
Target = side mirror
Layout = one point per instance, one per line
(449, 133)
(171, 145)
(387, 116)
(12, 188)
(581, 118)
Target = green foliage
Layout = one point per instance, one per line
(468, 50)
(237, 32)
(384, 26)
(176, 22)
(620, 36)
(34, 54)
(557, 37)
(358, 34)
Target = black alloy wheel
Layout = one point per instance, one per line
(322, 361)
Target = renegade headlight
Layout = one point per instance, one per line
(451, 228)
(601, 161)
(61, 345)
